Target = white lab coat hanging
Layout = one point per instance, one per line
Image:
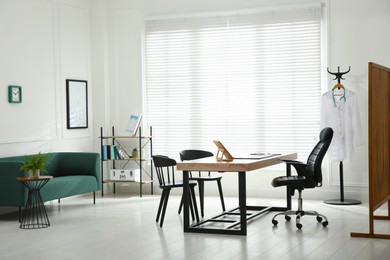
(340, 111)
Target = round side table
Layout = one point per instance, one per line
(34, 215)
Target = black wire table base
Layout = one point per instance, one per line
(35, 215)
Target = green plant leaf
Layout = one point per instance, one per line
(34, 162)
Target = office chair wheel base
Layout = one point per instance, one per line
(287, 218)
(319, 219)
(325, 223)
(275, 222)
(299, 226)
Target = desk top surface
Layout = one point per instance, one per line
(237, 165)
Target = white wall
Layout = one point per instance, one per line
(356, 35)
(43, 43)
(117, 49)
(116, 70)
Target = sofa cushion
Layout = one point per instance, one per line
(66, 186)
(72, 164)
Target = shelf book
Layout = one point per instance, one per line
(113, 152)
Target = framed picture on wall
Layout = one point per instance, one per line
(76, 103)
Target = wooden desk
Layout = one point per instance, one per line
(241, 166)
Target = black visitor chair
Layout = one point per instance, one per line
(165, 169)
(309, 176)
(201, 178)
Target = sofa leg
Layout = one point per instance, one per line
(20, 214)
(94, 198)
(59, 201)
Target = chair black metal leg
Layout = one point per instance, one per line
(20, 214)
(164, 208)
(181, 204)
(160, 205)
(191, 204)
(221, 195)
(194, 203)
(300, 213)
(201, 197)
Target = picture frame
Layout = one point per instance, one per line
(76, 104)
(133, 124)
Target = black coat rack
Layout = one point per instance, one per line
(341, 201)
(338, 74)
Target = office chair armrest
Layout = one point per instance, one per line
(300, 167)
(292, 162)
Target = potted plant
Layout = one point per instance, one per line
(34, 164)
(135, 153)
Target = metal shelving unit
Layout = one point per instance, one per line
(143, 142)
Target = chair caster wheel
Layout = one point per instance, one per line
(275, 222)
(299, 226)
(325, 223)
(287, 218)
(319, 219)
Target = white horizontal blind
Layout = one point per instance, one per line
(249, 80)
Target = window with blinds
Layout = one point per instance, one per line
(251, 80)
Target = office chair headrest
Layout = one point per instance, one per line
(326, 134)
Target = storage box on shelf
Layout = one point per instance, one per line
(113, 152)
(125, 175)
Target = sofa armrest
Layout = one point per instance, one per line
(12, 192)
(78, 163)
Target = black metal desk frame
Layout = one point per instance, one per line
(234, 227)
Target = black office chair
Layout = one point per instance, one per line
(165, 169)
(309, 176)
(187, 155)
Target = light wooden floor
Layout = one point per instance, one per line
(124, 227)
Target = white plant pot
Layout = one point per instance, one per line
(34, 173)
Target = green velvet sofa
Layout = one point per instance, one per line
(74, 173)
